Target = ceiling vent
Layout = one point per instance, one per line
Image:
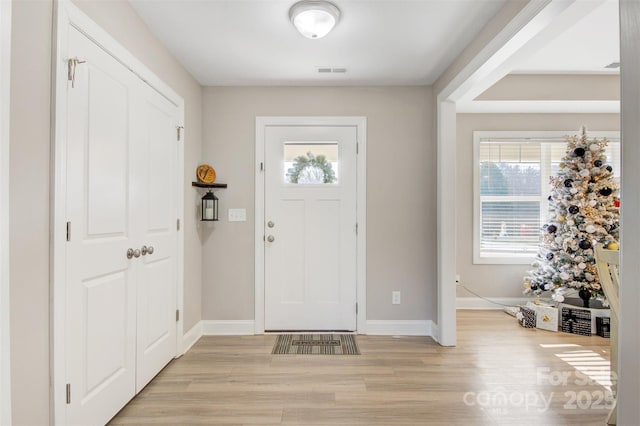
(332, 70)
(613, 65)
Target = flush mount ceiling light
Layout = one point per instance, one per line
(314, 19)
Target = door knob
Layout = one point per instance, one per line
(129, 253)
(136, 253)
(150, 249)
(271, 238)
(144, 250)
(270, 224)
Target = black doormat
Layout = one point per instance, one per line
(316, 344)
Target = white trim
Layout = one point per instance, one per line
(478, 303)
(540, 107)
(399, 328)
(628, 336)
(68, 15)
(361, 187)
(490, 64)
(228, 327)
(5, 108)
(191, 337)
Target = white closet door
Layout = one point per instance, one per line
(121, 180)
(155, 198)
(101, 298)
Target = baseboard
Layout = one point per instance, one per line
(191, 337)
(400, 327)
(477, 303)
(228, 327)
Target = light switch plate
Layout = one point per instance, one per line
(237, 215)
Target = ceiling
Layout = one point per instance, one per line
(586, 47)
(379, 42)
(252, 42)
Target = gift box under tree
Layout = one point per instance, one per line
(526, 317)
(603, 327)
(576, 321)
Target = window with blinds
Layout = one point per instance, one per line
(512, 171)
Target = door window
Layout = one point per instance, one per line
(311, 163)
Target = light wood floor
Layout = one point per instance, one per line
(396, 381)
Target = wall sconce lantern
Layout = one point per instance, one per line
(209, 207)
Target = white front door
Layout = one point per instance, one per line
(121, 196)
(310, 228)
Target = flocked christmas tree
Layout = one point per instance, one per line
(583, 212)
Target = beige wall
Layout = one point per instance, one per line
(569, 87)
(500, 280)
(401, 172)
(30, 183)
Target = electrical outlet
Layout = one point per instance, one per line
(395, 297)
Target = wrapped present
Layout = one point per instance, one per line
(595, 312)
(603, 327)
(526, 317)
(576, 321)
(546, 316)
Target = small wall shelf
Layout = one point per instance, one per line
(209, 185)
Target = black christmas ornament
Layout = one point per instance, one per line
(597, 163)
(579, 152)
(584, 244)
(609, 168)
(605, 192)
(534, 287)
(549, 198)
(551, 229)
(549, 256)
(585, 295)
(573, 209)
(568, 183)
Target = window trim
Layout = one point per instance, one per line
(519, 136)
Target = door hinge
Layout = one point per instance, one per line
(68, 231)
(71, 70)
(357, 148)
(177, 315)
(177, 224)
(68, 393)
(356, 308)
(179, 129)
(261, 167)
(356, 228)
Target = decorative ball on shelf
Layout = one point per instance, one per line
(605, 192)
(560, 218)
(205, 173)
(597, 163)
(579, 152)
(613, 246)
(573, 209)
(609, 168)
(551, 229)
(584, 244)
(568, 183)
(549, 256)
(616, 202)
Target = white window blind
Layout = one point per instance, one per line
(512, 171)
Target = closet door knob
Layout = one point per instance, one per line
(150, 249)
(144, 250)
(129, 253)
(136, 253)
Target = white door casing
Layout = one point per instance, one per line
(262, 126)
(310, 252)
(154, 184)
